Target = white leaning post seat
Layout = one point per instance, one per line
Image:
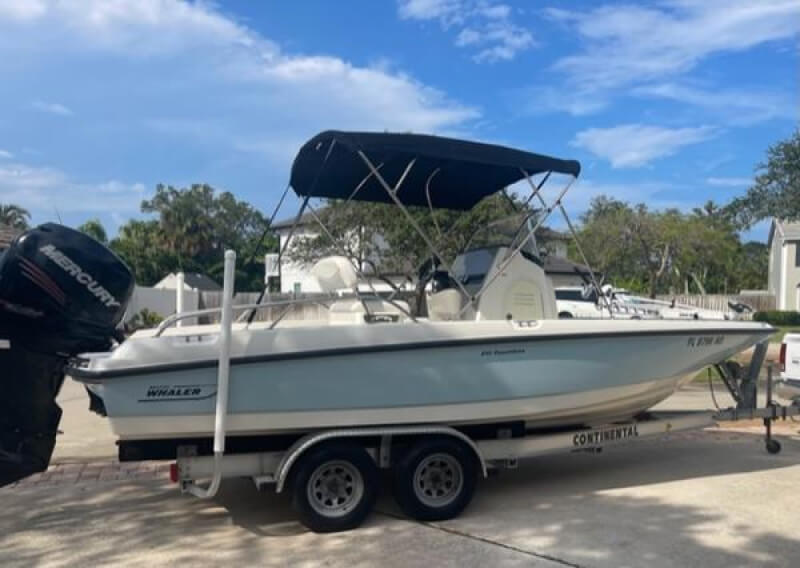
(444, 305)
(336, 273)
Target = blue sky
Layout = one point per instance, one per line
(670, 102)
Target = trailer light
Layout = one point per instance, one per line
(782, 358)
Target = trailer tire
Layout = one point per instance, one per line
(334, 487)
(435, 479)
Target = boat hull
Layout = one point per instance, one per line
(539, 377)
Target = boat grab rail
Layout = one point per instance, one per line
(172, 320)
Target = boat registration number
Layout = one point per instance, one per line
(705, 340)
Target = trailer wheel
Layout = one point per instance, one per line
(334, 487)
(773, 446)
(435, 480)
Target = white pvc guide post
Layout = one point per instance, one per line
(223, 376)
(180, 279)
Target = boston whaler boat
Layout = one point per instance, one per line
(326, 403)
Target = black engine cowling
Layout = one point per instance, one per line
(61, 293)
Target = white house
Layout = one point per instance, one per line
(296, 277)
(784, 264)
(192, 281)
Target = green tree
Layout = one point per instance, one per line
(192, 229)
(379, 238)
(664, 251)
(776, 191)
(139, 244)
(94, 228)
(752, 265)
(14, 216)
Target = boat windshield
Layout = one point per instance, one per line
(507, 232)
(471, 267)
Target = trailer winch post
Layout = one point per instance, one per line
(748, 387)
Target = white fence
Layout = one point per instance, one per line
(159, 301)
(719, 302)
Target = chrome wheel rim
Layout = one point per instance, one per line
(335, 488)
(438, 480)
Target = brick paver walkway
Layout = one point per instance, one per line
(94, 472)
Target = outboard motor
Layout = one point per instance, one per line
(61, 293)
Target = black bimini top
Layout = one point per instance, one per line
(459, 173)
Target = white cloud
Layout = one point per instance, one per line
(540, 100)
(143, 28)
(651, 50)
(484, 24)
(447, 11)
(21, 11)
(196, 45)
(628, 44)
(634, 145)
(730, 181)
(51, 108)
(186, 80)
(5, 154)
(737, 106)
(47, 190)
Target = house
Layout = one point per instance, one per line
(192, 281)
(296, 277)
(7, 236)
(783, 280)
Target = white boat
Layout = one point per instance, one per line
(300, 378)
(491, 352)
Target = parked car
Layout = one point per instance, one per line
(584, 302)
(789, 386)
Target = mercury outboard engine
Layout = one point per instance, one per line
(61, 293)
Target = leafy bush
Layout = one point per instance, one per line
(145, 319)
(780, 318)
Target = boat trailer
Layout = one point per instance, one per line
(333, 475)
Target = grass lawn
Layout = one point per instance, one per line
(778, 337)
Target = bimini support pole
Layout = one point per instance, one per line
(411, 221)
(223, 377)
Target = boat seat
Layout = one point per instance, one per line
(351, 310)
(334, 273)
(444, 305)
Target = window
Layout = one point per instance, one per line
(297, 287)
(797, 254)
(576, 296)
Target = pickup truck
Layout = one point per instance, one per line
(789, 386)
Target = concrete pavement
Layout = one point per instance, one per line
(709, 498)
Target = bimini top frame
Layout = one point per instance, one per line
(426, 171)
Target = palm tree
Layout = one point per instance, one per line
(14, 216)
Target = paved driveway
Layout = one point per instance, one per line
(710, 498)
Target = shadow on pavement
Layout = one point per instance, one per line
(687, 502)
